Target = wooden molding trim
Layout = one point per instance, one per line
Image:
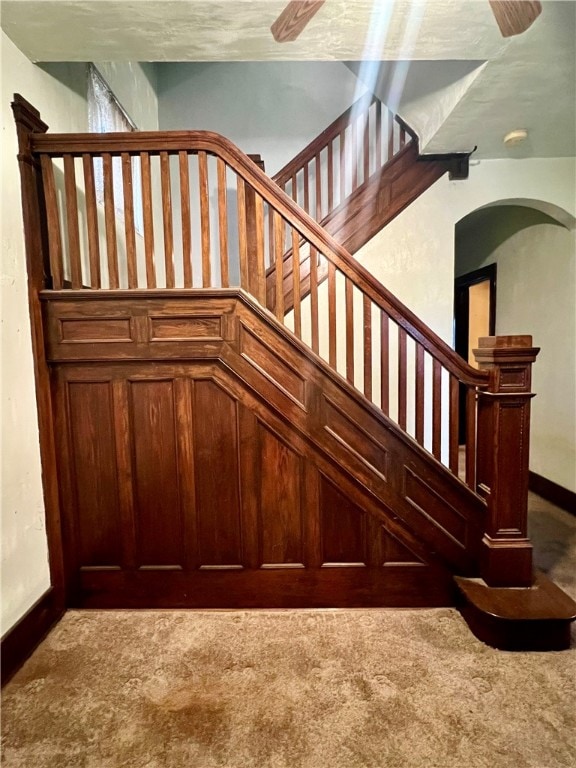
(552, 492)
(19, 642)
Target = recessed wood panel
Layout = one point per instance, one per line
(397, 552)
(342, 527)
(159, 528)
(355, 439)
(184, 328)
(280, 502)
(215, 420)
(268, 363)
(421, 496)
(99, 329)
(94, 473)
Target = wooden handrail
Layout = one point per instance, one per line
(328, 134)
(56, 145)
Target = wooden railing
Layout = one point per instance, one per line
(344, 156)
(192, 191)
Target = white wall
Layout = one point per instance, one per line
(269, 108)
(25, 575)
(59, 92)
(535, 294)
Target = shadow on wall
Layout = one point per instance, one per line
(493, 225)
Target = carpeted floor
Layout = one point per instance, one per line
(305, 689)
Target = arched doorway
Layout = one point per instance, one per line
(532, 246)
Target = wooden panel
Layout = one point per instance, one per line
(158, 518)
(425, 499)
(182, 328)
(280, 524)
(342, 528)
(101, 329)
(217, 476)
(94, 473)
(355, 439)
(268, 363)
(397, 552)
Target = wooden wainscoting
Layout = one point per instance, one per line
(207, 460)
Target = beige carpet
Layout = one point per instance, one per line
(340, 689)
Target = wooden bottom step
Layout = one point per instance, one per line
(536, 618)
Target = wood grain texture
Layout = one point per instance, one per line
(515, 16)
(294, 18)
(220, 449)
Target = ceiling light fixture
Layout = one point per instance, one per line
(515, 137)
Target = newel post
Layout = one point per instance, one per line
(28, 121)
(502, 467)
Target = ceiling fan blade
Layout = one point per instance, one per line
(294, 18)
(515, 16)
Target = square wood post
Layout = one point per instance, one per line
(502, 467)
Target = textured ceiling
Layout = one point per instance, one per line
(239, 30)
(464, 85)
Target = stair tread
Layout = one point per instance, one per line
(544, 600)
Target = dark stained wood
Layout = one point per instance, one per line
(470, 458)
(502, 464)
(281, 513)
(260, 292)
(536, 618)
(91, 222)
(367, 312)
(129, 220)
(384, 362)
(296, 284)
(110, 221)
(92, 444)
(551, 491)
(188, 271)
(436, 408)
(223, 224)
(453, 426)
(52, 223)
(148, 221)
(332, 345)
(167, 219)
(294, 18)
(349, 298)
(279, 251)
(242, 237)
(314, 299)
(156, 497)
(22, 639)
(204, 219)
(72, 222)
(343, 528)
(419, 395)
(402, 378)
(216, 476)
(36, 239)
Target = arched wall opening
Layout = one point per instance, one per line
(534, 253)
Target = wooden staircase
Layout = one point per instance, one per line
(213, 450)
(356, 177)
